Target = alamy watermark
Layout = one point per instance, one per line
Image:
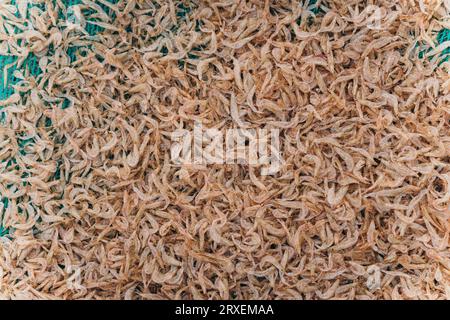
(253, 147)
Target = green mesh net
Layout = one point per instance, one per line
(444, 36)
(30, 66)
(10, 65)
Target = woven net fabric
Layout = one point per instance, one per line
(11, 67)
(30, 66)
(444, 36)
